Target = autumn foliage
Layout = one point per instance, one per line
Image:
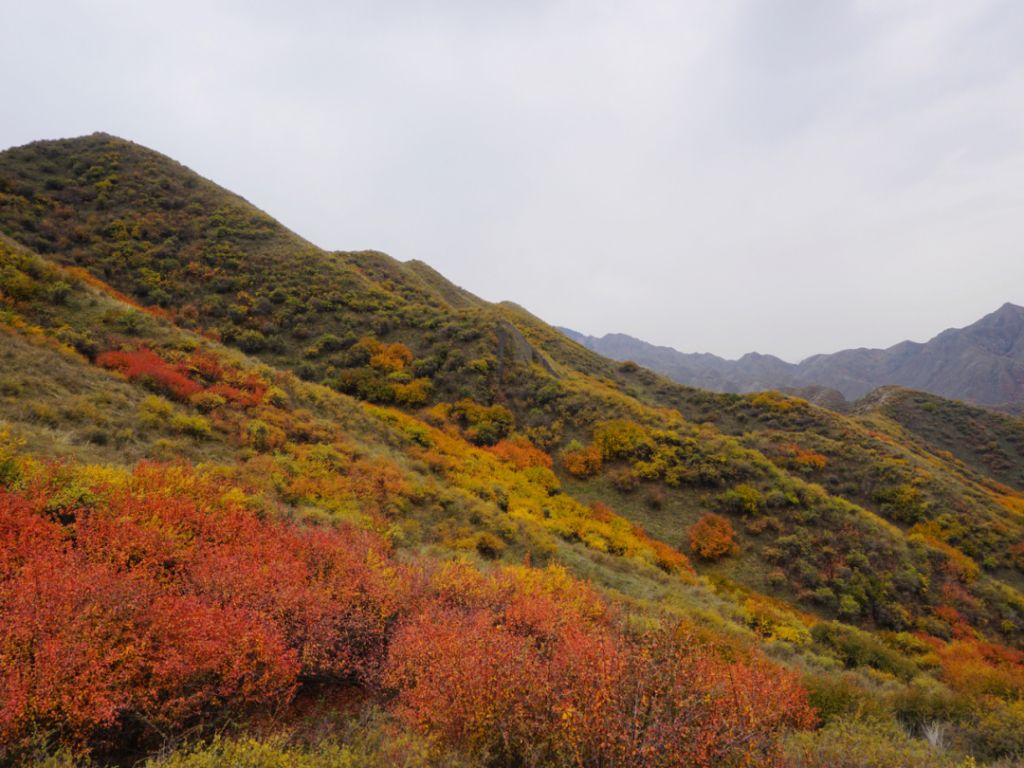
(141, 604)
(712, 537)
(149, 368)
(798, 457)
(525, 674)
(199, 374)
(521, 453)
(148, 604)
(582, 461)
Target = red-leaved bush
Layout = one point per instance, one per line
(149, 607)
(520, 673)
(187, 378)
(148, 367)
(135, 607)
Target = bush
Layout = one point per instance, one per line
(624, 480)
(10, 472)
(155, 411)
(483, 424)
(262, 436)
(251, 341)
(999, 732)
(712, 537)
(852, 744)
(837, 696)
(273, 752)
(193, 426)
(164, 614)
(622, 439)
(521, 453)
(857, 648)
(528, 683)
(743, 499)
(149, 368)
(581, 462)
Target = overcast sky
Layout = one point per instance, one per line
(785, 176)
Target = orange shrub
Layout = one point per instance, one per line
(582, 462)
(712, 537)
(978, 668)
(391, 357)
(469, 681)
(521, 453)
(804, 458)
(413, 393)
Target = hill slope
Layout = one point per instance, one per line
(148, 314)
(982, 363)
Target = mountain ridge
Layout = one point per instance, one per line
(982, 363)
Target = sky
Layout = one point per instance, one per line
(781, 176)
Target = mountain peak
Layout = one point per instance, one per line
(1008, 310)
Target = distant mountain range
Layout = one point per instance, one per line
(982, 363)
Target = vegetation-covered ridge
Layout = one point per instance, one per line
(401, 499)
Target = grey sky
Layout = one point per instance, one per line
(786, 176)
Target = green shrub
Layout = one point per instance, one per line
(856, 648)
(193, 426)
(853, 744)
(927, 701)
(254, 753)
(999, 732)
(10, 472)
(743, 499)
(839, 695)
(155, 411)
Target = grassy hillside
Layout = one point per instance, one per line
(146, 314)
(989, 442)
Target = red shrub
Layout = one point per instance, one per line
(149, 605)
(677, 702)
(160, 604)
(86, 644)
(146, 366)
(471, 682)
(521, 453)
(232, 394)
(205, 365)
(510, 668)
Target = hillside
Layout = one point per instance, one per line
(510, 511)
(982, 363)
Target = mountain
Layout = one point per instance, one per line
(262, 503)
(982, 363)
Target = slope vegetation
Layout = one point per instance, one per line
(416, 498)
